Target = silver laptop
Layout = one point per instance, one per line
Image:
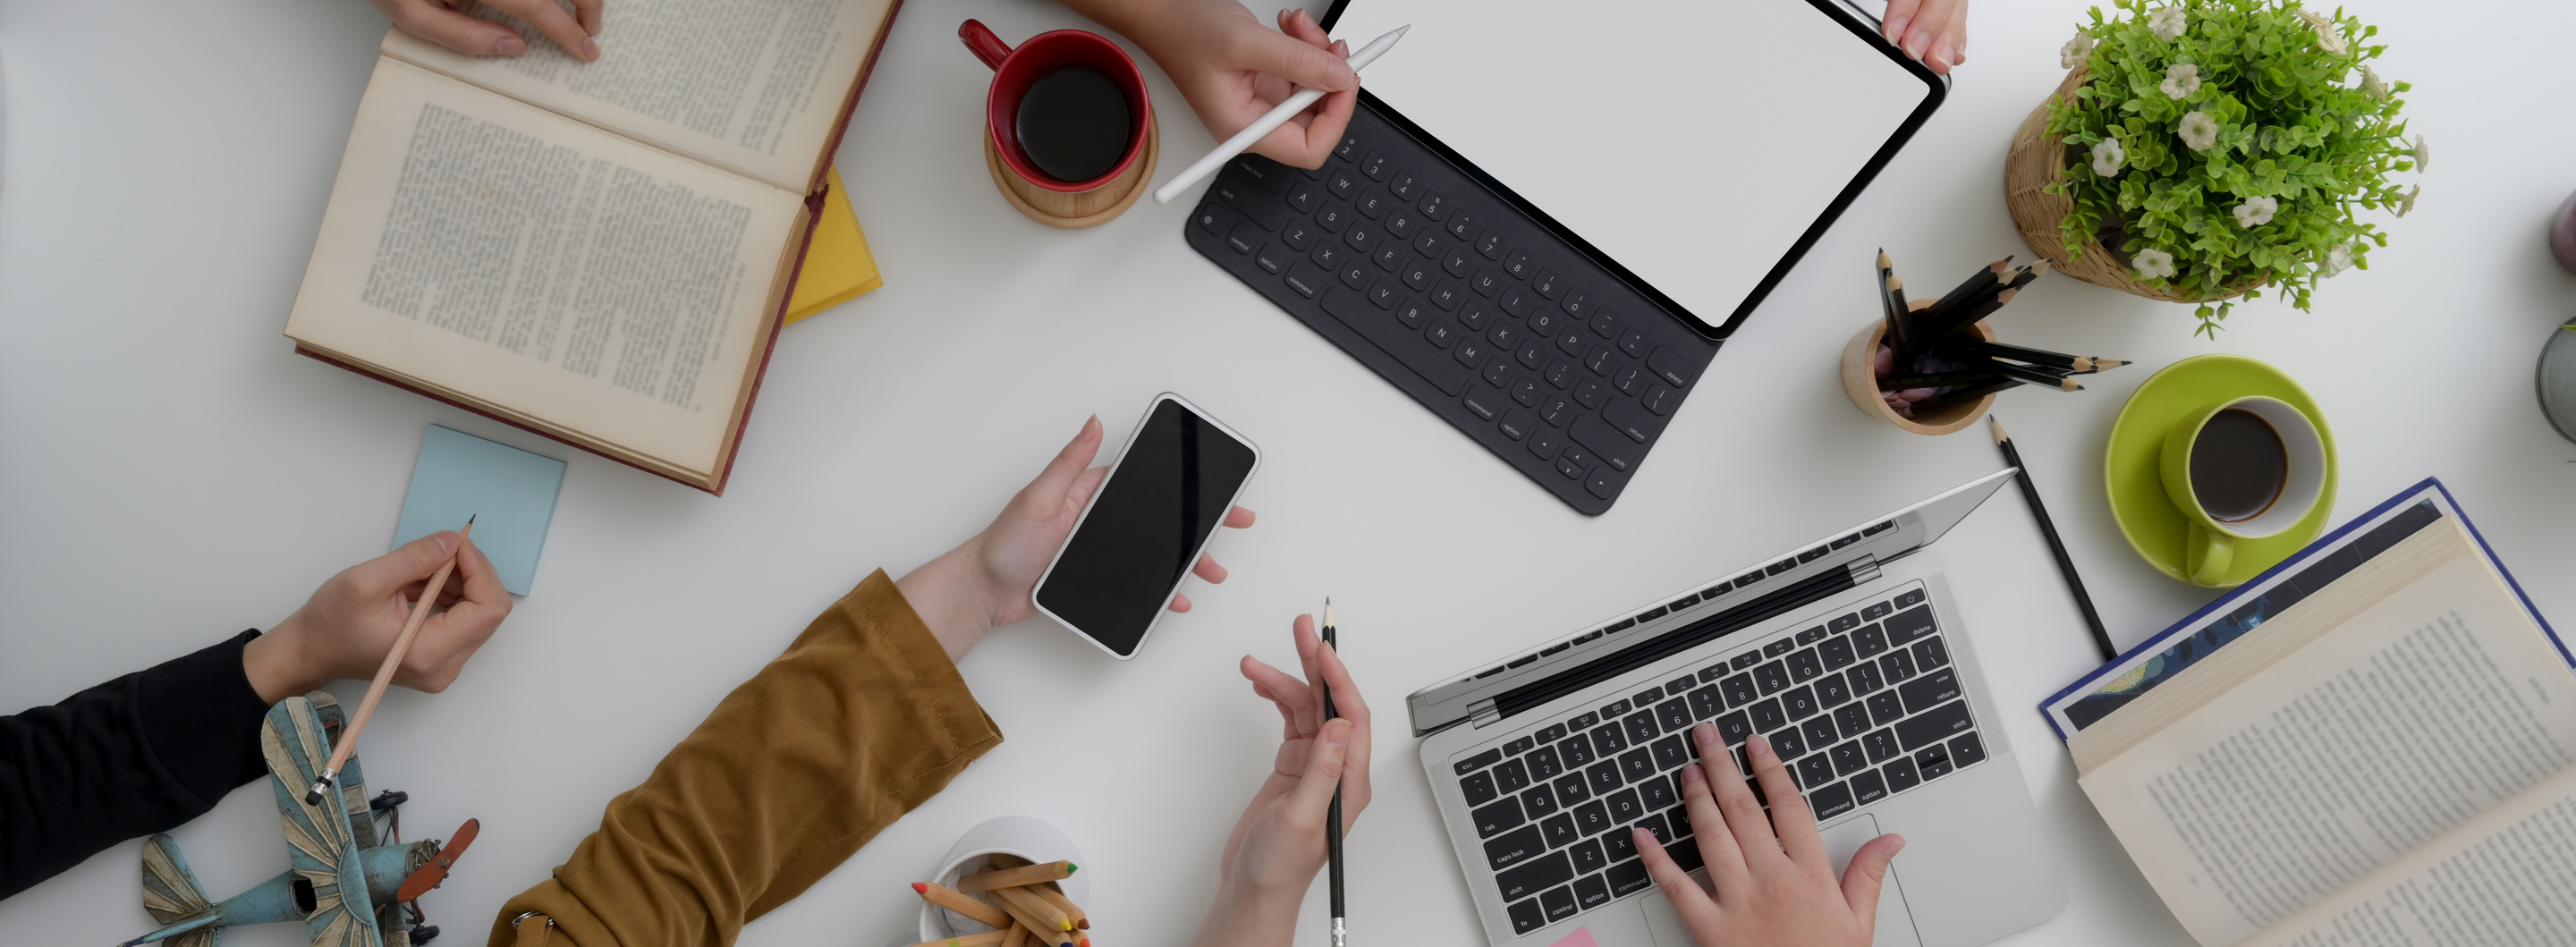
(1847, 654)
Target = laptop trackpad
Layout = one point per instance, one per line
(1895, 926)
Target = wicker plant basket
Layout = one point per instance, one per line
(2035, 162)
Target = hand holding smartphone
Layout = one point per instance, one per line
(1170, 488)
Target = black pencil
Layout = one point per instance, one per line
(1981, 281)
(1891, 297)
(2036, 377)
(1950, 379)
(1333, 816)
(2080, 364)
(2056, 546)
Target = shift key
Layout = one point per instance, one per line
(1939, 724)
(1547, 872)
(1407, 345)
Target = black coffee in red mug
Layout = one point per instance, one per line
(1074, 123)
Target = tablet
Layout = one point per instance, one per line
(1695, 148)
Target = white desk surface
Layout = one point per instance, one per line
(173, 473)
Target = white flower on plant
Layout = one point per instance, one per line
(2075, 50)
(2108, 158)
(2423, 154)
(2198, 130)
(2371, 84)
(2256, 211)
(2154, 264)
(2329, 38)
(2181, 80)
(2407, 203)
(2339, 258)
(2167, 23)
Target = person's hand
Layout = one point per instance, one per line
(446, 23)
(1934, 32)
(1771, 889)
(987, 581)
(1278, 845)
(1233, 70)
(350, 623)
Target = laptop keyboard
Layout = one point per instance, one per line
(1489, 320)
(1860, 708)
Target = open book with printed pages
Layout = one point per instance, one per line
(2373, 743)
(599, 252)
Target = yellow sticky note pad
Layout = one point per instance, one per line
(838, 267)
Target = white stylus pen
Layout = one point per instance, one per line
(1244, 140)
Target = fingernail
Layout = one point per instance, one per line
(1942, 52)
(1896, 27)
(1757, 746)
(1914, 44)
(1690, 774)
(1704, 733)
(1340, 75)
(511, 46)
(446, 541)
(589, 48)
(1337, 731)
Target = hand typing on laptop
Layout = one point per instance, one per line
(1276, 848)
(1233, 70)
(1774, 883)
(446, 23)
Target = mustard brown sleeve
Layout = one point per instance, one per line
(863, 718)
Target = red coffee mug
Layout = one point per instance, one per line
(1015, 69)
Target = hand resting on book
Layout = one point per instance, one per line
(445, 23)
(1772, 890)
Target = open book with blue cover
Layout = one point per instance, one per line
(2373, 743)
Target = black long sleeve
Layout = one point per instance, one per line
(136, 755)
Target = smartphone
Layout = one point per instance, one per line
(1164, 498)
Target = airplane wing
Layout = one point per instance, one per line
(171, 893)
(321, 846)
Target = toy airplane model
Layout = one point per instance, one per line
(346, 888)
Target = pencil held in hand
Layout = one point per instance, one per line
(348, 741)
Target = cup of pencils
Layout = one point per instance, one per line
(1933, 366)
(1011, 882)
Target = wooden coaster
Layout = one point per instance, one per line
(1138, 178)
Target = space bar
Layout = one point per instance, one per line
(1381, 327)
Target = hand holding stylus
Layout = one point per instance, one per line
(1277, 847)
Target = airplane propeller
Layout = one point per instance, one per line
(431, 874)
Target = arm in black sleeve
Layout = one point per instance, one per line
(136, 755)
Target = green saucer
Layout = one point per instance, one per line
(2129, 468)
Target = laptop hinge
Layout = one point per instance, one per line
(1483, 712)
(1865, 569)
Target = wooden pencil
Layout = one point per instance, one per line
(1016, 877)
(987, 939)
(1032, 910)
(2056, 546)
(1016, 936)
(348, 741)
(1050, 894)
(954, 900)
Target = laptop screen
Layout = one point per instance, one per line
(1696, 146)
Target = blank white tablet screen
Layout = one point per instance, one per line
(1692, 141)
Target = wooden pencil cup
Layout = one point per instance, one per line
(1860, 381)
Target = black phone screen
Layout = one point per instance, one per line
(1170, 490)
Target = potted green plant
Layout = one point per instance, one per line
(2199, 150)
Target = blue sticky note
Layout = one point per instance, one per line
(509, 492)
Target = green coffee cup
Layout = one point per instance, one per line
(2243, 469)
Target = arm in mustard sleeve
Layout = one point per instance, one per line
(863, 718)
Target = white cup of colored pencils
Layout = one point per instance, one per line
(1008, 901)
(1933, 366)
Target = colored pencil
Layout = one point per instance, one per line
(1033, 911)
(1049, 894)
(2056, 546)
(953, 900)
(1333, 816)
(987, 939)
(1017, 936)
(1015, 877)
(348, 741)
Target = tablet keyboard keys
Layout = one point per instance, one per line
(1636, 344)
(1490, 243)
(1332, 217)
(1307, 198)
(1270, 175)
(1343, 184)
(1435, 205)
(1661, 400)
(1462, 225)
(1375, 166)
(1613, 447)
(1520, 265)
(1406, 185)
(1485, 404)
(1518, 424)
(1308, 281)
(1548, 283)
(1272, 258)
(1355, 275)
(1577, 303)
